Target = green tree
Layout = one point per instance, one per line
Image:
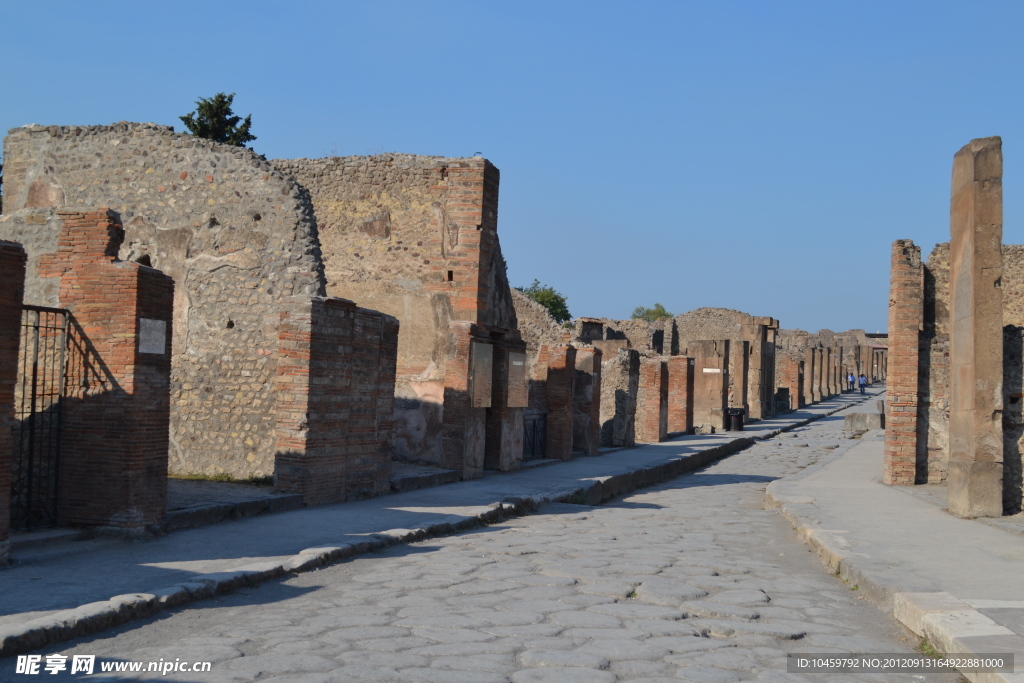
(214, 120)
(652, 314)
(547, 297)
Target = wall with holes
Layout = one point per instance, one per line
(237, 236)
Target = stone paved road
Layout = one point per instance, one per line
(690, 580)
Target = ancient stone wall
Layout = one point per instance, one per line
(657, 338)
(559, 362)
(1013, 417)
(12, 288)
(414, 237)
(536, 326)
(620, 380)
(236, 235)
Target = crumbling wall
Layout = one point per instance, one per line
(414, 237)
(709, 323)
(237, 236)
(536, 325)
(656, 338)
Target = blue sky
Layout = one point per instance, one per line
(753, 155)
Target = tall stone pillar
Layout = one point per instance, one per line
(976, 350)
(815, 356)
(12, 289)
(906, 317)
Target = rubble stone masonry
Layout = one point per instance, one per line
(12, 287)
(237, 236)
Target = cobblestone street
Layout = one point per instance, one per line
(689, 580)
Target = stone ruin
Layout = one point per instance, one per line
(324, 316)
(955, 411)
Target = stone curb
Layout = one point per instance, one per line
(204, 515)
(121, 609)
(950, 625)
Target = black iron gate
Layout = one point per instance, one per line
(38, 396)
(535, 437)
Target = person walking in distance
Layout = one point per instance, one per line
(851, 381)
(863, 383)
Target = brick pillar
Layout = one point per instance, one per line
(906, 316)
(336, 365)
(560, 362)
(12, 289)
(467, 394)
(710, 384)
(586, 434)
(504, 446)
(652, 401)
(115, 420)
(976, 311)
(680, 394)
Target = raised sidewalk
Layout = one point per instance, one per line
(56, 593)
(958, 583)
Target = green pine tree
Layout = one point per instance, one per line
(214, 120)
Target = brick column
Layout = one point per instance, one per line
(976, 350)
(586, 435)
(652, 401)
(560, 362)
(116, 417)
(680, 394)
(12, 289)
(336, 365)
(906, 315)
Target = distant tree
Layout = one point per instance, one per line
(653, 314)
(214, 120)
(547, 297)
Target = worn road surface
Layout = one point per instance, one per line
(689, 580)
